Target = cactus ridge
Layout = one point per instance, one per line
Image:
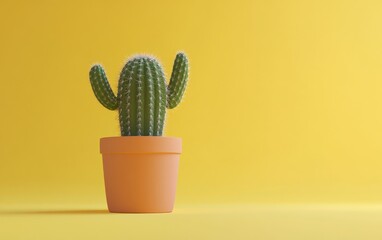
(142, 93)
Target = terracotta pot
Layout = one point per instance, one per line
(140, 173)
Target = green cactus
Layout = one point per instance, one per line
(142, 93)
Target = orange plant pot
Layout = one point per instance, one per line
(140, 173)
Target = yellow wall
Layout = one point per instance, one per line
(284, 101)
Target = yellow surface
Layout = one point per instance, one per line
(265, 222)
(284, 105)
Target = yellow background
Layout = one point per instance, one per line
(284, 102)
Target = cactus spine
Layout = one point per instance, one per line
(142, 93)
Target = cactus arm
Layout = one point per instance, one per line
(101, 88)
(178, 81)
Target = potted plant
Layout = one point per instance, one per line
(141, 166)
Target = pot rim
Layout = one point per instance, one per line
(141, 145)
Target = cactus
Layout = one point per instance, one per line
(142, 93)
